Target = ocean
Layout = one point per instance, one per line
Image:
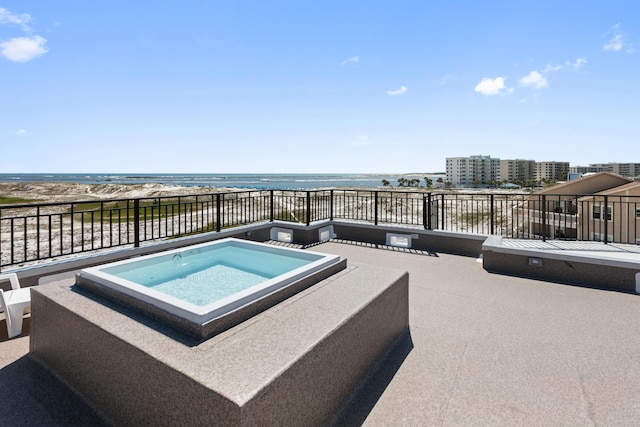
(260, 181)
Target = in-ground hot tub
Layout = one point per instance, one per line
(206, 288)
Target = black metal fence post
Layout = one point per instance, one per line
(331, 206)
(38, 232)
(442, 213)
(71, 221)
(375, 208)
(271, 207)
(605, 216)
(429, 214)
(179, 216)
(544, 218)
(492, 216)
(218, 214)
(424, 212)
(308, 208)
(136, 223)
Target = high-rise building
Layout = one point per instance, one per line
(626, 169)
(517, 170)
(631, 170)
(581, 170)
(472, 171)
(553, 171)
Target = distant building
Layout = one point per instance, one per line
(581, 170)
(472, 171)
(484, 170)
(517, 170)
(623, 169)
(553, 171)
(626, 169)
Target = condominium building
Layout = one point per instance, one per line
(553, 171)
(581, 170)
(517, 170)
(622, 169)
(483, 170)
(626, 169)
(472, 171)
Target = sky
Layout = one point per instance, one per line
(331, 86)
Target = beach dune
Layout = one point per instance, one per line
(73, 192)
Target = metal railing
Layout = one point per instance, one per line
(32, 232)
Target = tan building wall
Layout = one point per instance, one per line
(614, 213)
(562, 203)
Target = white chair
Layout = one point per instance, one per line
(14, 303)
(12, 278)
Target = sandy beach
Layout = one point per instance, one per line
(73, 192)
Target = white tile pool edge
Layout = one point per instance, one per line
(204, 314)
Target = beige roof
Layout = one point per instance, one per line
(632, 187)
(629, 189)
(589, 184)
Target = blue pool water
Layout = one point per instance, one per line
(204, 282)
(206, 275)
(209, 285)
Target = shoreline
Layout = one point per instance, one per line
(206, 182)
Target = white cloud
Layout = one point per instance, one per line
(22, 20)
(361, 141)
(549, 68)
(615, 44)
(534, 79)
(567, 64)
(353, 60)
(489, 86)
(23, 49)
(401, 91)
(617, 41)
(579, 63)
(20, 132)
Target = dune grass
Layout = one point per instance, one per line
(14, 200)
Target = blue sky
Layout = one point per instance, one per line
(315, 86)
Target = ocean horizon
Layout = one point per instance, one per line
(236, 180)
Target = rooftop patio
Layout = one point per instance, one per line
(485, 349)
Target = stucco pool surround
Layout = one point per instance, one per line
(206, 288)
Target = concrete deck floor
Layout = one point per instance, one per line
(485, 349)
